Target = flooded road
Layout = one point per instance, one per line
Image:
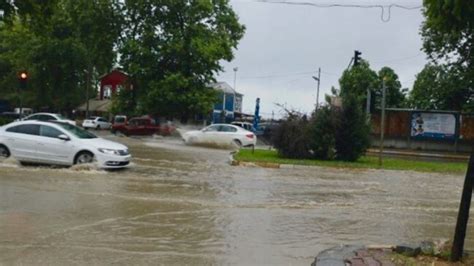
(179, 205)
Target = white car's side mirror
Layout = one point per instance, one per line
(63, 137)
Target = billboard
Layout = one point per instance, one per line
(433, 125)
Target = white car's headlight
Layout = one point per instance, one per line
(109, 151)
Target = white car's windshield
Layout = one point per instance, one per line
(77, 131)
(61, 117)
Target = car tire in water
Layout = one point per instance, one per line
(98, 127)
(192, 140)
(84, 157)
(4, 152)
(238, 143)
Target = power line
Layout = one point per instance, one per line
(277, 75)
(383, 8)
(398, 59)
(307, 72)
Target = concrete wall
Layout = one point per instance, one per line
(426, 145)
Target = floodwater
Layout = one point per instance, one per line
(181, 205)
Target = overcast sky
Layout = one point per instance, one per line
(284, 45)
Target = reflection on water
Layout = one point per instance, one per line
(178, 204)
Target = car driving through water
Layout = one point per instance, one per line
(224, 134)
(59, 143)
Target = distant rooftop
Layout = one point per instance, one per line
(223, 86)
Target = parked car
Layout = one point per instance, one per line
(12, 116)
(96, 122)
(143, 126)
(49, 117)
(8, 117)
(60, 143)
(24, 111)
(120, 119)
(245, 125)
(221, 134)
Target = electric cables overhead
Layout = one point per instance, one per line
(386, 10)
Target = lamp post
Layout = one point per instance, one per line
(382, 121)
(318, 79)
(235, 88)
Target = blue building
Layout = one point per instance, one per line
(229, 104)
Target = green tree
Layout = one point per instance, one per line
(352, 131)
(448, 38)
(58, 42)
(322, 137)
(173, 49)
(292, 138)
(439, 87)
(357, 80)
(395, 98)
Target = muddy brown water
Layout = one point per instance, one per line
(181, 205)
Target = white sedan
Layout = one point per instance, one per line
(223, 134)
(96, 122)
(48, 117)
(59, 143)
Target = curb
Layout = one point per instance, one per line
(234, 162)
(419, 154)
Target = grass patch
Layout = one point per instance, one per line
(365, 162)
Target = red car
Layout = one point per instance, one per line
(142, 126)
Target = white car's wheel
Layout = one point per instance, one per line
(84, 157)
(238, 142)
(4, 152)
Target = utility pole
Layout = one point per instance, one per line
(318, 79)
(235, 88)
(382, 122)
(367, 105)
(463, 214)
(23, 79)
(88, 88)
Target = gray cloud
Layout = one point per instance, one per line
(283, 44)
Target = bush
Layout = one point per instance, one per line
(322, 140)
(352, 131)
(5, 120)
(291, 137)
(331, 133)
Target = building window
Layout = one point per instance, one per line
(107, 92)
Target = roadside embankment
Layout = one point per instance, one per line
(270, 159)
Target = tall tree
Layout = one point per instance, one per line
(59, 42)
(173, 50)
(448, 37)
(395, 96)
(357, 80)
(439, 87)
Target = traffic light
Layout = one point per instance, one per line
(357, 57)
(23, 79)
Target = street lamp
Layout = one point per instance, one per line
(235, 87)
(318, 79)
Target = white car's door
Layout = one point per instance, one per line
(21, 140)
(227, 134)
(51, 149)
(103, 123)
(210, 134)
